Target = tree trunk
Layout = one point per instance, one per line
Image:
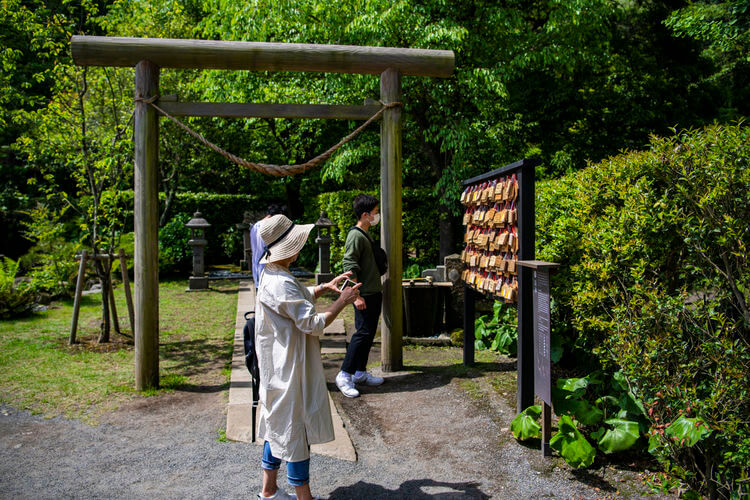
(437, 166)
(102, 270)
(294, 205)
(447, 242)
(172, 189)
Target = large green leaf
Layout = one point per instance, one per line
(688, 431)
(525, 425)
(566, 402)
(573, 385)
(480, 331)
(621, 437)
(556, 348)
(654, 444)
(571, 444)
(587, 414)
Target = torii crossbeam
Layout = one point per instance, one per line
(149, 55)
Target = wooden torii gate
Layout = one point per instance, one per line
(149, 55)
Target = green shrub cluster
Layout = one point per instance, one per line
(419, 220)
(655, 284)
(222, 211)
(50, 261)
(16, 299)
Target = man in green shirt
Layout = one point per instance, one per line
(359, 258)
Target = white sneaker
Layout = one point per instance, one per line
(366, 378)
(345, 385)
(279, 495)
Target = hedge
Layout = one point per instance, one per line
(655, 282)
(222, 211)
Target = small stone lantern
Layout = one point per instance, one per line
(245, 226)
(323, 240)
(198, 227)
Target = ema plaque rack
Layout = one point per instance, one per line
(499, 220)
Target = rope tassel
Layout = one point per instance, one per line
(266, 168)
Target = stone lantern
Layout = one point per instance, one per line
(324, 225)
(245, 226)
(198, 227)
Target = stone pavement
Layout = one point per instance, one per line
(239, 409)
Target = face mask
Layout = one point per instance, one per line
(375, 220)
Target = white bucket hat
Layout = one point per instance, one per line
(283, 238)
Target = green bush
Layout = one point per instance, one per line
(15, 300)
(590, 410)
(499, 333)
(222, 211)
(50, 261)
(174, 252)
(655, 282)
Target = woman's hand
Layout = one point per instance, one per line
(333, 285)
(350, 294)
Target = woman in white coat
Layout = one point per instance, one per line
(295, 412)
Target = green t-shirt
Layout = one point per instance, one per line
(359, 259)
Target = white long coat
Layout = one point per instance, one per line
(294, 408)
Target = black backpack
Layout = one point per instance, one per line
(251, 361)
(381, 258)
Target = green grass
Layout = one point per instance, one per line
(222, 436)
(40, 372)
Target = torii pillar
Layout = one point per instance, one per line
(146, 217)
(148, 55)
(391, 233)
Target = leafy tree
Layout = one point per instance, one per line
(81, 145)
(33, 40)
(722, 29)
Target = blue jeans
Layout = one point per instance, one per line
(298, 473)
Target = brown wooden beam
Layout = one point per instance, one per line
(259, 56)
(249, 110)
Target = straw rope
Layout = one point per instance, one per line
(266, 168)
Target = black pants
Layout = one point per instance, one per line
(365, 323)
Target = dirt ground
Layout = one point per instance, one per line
(453, 423)
(436, 430)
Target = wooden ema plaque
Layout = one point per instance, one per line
(491, 238)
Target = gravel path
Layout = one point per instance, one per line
(418, 436)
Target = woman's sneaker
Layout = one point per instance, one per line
(279, 495)
(366, 378)
(346, 385)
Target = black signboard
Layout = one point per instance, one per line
(542, 362)
(542, 333)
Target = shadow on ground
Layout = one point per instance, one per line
(418, 489)
(420, 378)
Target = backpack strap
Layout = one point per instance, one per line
(363, 232)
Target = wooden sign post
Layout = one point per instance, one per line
(542, 339)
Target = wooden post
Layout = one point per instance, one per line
(126, 287)
(526, 228)
(390, 229)
(77, 299)
(112, 306)
(469, 308)
(546, 429)
(146, 139)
